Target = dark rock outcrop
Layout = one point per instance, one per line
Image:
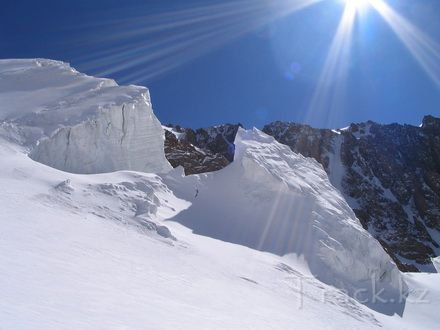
(202, 150)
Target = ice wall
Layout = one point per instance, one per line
(78, 123)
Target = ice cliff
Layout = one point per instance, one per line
(77, 123)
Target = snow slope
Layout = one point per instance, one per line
(79, 123)
(82, 254)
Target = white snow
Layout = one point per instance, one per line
(77, 254)
(335, 166)
(79, 123)
(266, 243)
(172, 130)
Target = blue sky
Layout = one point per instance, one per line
(269, 74)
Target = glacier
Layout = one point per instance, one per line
(78, 123)
(123, 241)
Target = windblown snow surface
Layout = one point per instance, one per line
(266, 243)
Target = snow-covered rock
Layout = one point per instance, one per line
(274, 200)
(78, 123)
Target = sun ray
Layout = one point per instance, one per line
(357, 5)
(179, 37)
(424, 49)
(180, 41)
(331, 87)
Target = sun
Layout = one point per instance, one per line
(358, 5)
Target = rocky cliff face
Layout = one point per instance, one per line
(201, 150)
(389, 175)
